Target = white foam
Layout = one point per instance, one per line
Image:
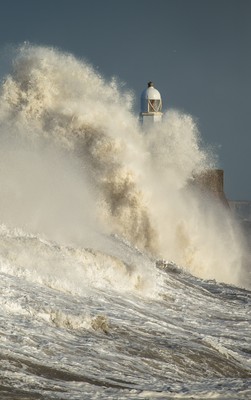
(74, 162)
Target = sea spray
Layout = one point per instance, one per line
(67, 121)
(72, 106)
(195, 229)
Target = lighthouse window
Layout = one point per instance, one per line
(154, 105)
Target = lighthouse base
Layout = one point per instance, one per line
(148, 119)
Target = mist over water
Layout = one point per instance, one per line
(75, 163)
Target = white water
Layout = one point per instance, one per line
(88, 203)
(75, 162)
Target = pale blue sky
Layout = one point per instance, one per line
(197, 52)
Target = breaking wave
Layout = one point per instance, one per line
(75, 164)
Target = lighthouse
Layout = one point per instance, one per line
(151, 106)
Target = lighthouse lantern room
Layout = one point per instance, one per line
(151, 106)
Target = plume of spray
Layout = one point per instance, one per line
(195, 228)
(80, 160)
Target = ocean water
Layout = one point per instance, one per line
(119, 278)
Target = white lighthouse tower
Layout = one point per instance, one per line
(151, 106)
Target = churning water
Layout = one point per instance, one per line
(90, 207)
